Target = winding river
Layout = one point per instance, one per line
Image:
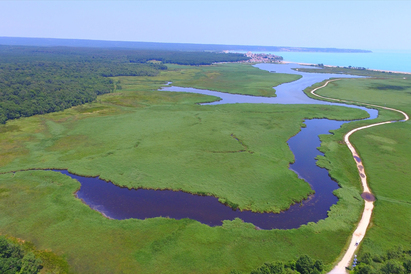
(122, 203)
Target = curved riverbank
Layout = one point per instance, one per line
(362, 226)
(314, 209)
(39, 206)
(111, 200)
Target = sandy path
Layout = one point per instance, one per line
(361, 229)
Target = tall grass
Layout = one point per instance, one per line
(232, 78)
(386, 154)
(141, 137)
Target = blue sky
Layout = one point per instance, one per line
(340, 24)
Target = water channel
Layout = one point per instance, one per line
(123, 203)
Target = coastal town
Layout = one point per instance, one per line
(262, 57)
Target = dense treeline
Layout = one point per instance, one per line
(394, 261)
(31, 88)
(13, 259)
(193, 58)
(186, 58)
(35, 80)
(303, 265)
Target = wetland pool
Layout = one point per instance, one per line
(123, 203)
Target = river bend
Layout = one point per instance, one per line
(123, 203)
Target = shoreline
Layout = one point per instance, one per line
(330, 66)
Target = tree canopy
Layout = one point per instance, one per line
(13, 259)
(38, 80)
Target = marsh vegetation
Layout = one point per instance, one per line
(141, 137)
(385, 152)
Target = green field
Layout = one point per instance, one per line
(253, 81)
(385, 151)
(172, 143)
(141, 137)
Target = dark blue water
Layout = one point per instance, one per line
(122, 203)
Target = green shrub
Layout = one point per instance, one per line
(392, 267)
(14, 260)
(304, 265)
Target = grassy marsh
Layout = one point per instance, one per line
(385, 151)
(141, 137)
(225, 78)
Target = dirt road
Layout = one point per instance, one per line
(362, 226)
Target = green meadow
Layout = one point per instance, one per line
(385, 151)
(144, 138)
(253, 81)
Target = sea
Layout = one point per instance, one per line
(387, 60)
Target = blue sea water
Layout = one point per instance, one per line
(390, 60)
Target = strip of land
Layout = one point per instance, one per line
(362, 226)
(330, 66)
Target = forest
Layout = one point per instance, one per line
(38, 80)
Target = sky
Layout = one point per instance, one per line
(327, 23)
